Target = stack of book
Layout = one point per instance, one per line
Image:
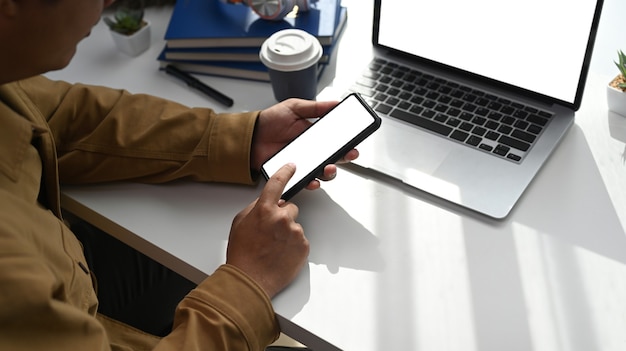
(215, 38)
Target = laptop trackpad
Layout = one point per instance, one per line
(402, 151)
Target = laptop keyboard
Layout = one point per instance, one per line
(492, 124)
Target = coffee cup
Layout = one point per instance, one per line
(291, 57)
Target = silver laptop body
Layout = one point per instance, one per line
(531, 54)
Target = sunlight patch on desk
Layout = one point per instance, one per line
(433, 289)
(537, 289)
(606, 293)
(441, 292)
(569, 305)
(418, 266)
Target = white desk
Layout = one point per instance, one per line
(392, 268)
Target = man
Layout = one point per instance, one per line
(54, 132)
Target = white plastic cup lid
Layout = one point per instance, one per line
(290, 50)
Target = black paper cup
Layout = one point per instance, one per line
(291, 56)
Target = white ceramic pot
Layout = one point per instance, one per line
(134, 44)
(616, 100)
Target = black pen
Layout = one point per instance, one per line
(194, 83)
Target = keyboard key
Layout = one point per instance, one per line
(457, 94)
(537, 120)
(501, 150)
(535, 129)
(429, 104)
(520, 114)
(466, 126)
(545, 114)
(494, 105)
(432, 95)
(404, 105)
(383, 108)
(496, 116)
(380, 97)
(456, 103)
(492, 135)
(417, 99)
(521, 124)
(469, 97)
(420, 91)
(393, 91)
(531, 109)
(492, 125)
(392, 101)
(522, 135)
(445, 90)
(482, 102)
(504, 101)
(466, 116)
(440, 117)
(459, 135)
(381, 87)
(507, 110)
(481, 111)
(406, 96)
(479, 120)
(421, 122)
(454, 112)
(469, 107)
(416, 110)
(428, 113)
(513, 157)
(514, 143)
(480, 131)
(441, 108)
(453, 122)
(474, 140)
(504, 129)
(508, 120)
(486, 147)
(444, 99)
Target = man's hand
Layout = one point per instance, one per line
(265, 240)
(281, 123)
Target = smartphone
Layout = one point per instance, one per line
(324, 142)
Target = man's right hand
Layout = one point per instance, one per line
(265, 240)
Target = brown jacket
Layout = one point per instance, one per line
(53, 133)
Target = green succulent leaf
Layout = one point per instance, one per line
(127, 21)
(621, 64)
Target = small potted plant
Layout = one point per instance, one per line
(130, 31)
(616, 91)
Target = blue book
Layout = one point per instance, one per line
(212, 23)
(240, 70)
(238, 54)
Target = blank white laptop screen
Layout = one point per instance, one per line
(478, 36)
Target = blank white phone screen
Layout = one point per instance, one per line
(321, 140)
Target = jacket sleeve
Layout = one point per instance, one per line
(228, 311)
(104, 134)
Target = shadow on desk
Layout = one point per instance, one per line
(353, 246)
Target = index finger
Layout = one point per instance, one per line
(275, 186)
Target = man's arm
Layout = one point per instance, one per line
(105, 134)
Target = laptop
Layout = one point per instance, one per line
(474, 94)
